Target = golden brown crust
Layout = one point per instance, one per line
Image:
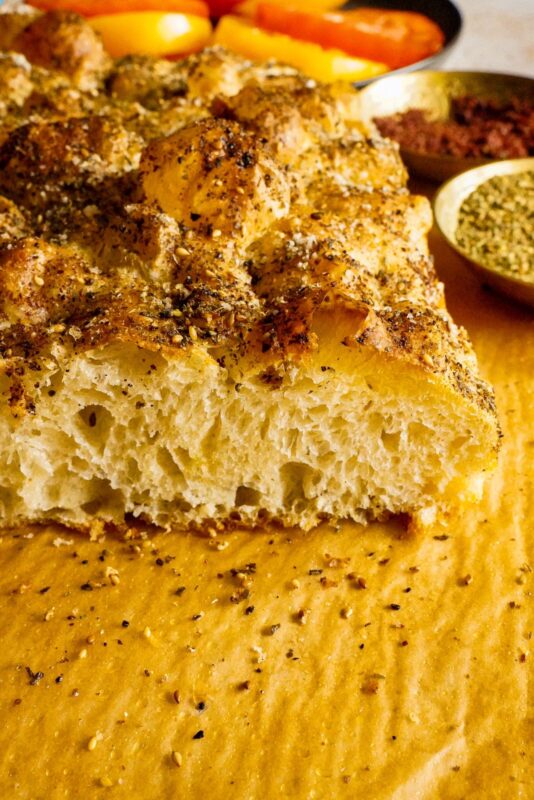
(63, 41)
(265, 203)
(13, 24)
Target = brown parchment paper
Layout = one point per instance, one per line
(402, 670)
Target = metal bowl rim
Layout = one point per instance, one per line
(519, 282)
(446, 157)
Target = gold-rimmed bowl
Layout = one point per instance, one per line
(447, 204)
(433, 92)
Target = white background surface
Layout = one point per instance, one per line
(498, 36)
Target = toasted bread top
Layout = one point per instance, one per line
(207, 203)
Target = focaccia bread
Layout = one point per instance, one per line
(216, 300)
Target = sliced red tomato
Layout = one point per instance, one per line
(220, 7)
(95, 8)
(397, 38)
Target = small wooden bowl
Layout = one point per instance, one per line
(447, 204)
(433, 93)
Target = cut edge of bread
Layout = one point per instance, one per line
(121, 433)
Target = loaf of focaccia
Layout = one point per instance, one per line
(216, 300)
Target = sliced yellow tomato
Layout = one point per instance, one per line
(246, 39)
(151, 32)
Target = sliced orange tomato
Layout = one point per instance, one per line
(247, 8)
(397, 38)
(151, 32)
(248, 40)
(94, 8)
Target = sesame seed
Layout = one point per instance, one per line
(177, 758)
(38, 280)
(260, 654)
(147, 633)
(216, 233)
(82, 653)
(193, 333)
(106, 782)
(346, 613)
(294, 584)
(92, 743)
(182, 251)
(176, 696)
(177, 338)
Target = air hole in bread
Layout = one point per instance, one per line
(97, 420)
(390, 440)
(246, 496)
(297, 479)
(103, 497)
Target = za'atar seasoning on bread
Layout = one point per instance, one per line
(217, 304)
